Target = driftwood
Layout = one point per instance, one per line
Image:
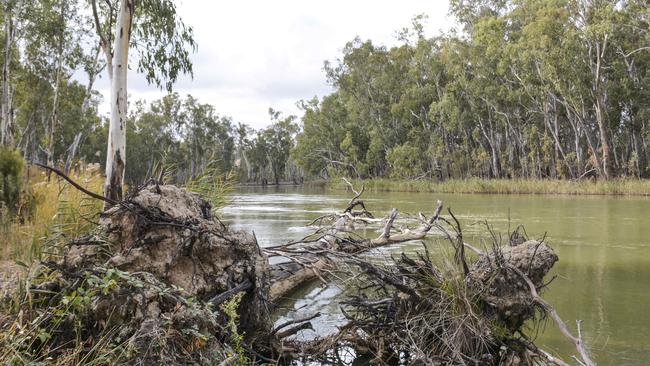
(312, 255)
(585, 358)
(505, 280)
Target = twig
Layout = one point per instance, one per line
(76, 185)
(295, 321)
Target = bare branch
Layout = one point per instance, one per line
(76, 185)
(577, 341)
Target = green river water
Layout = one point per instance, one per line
(603, 276)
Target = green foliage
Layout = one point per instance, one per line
(164, 42)
(405, 161)
(94, 319)
(238, 354)
(519, 93)
(184, 133)
(212, 183)
(11, 168)
(266, 154)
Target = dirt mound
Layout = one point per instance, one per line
(505, 292)
(153, 277)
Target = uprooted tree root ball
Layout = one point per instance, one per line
(161, 280)
(435, 314)
(148, 286)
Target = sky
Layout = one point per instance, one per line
(253, 55)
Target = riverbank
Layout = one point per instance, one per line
(617, 187)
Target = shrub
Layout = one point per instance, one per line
(11, 167)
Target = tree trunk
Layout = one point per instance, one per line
(93, 71)
(5, 122)
(275, 176)
(554, 130)
(600, 106)
(54, 116)
(604, 140)
(116, 152)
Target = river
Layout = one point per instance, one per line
(603, 276)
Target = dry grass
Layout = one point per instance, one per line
(58, 209)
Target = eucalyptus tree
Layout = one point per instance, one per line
(527, 88)
(13, 13)
(163, 44)
(207, 137)
(330, 138)
(243, 144)
(52, 48)
(279, 139)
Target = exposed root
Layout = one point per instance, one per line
(423, 310)
(150, 285)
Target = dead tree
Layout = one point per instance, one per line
(310, 256)
(414, 309)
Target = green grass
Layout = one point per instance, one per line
(626, 187)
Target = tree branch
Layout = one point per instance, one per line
(76, 185)
(577, 341)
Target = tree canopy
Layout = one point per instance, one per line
(524, 89)
(528, 88)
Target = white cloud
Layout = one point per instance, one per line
(253, 55)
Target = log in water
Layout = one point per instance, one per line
(603, 244)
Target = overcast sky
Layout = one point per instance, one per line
(253, 55)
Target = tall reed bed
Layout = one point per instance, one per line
(628, 187)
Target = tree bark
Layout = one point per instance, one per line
(554, 130)
(54, 116)
(6, 118)
(116, 151)
(600, 106)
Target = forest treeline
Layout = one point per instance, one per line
(527, 89)
(53, 118)
(523, 89)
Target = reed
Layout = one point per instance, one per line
(57, 209)
(616, 187)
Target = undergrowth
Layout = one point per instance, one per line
(97, 320)
(59, 212)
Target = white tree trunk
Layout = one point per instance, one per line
(54, 116)
(5, 118)
(116, 152)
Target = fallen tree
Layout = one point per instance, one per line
(471, 310)
(310, 256)
(161, 280)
